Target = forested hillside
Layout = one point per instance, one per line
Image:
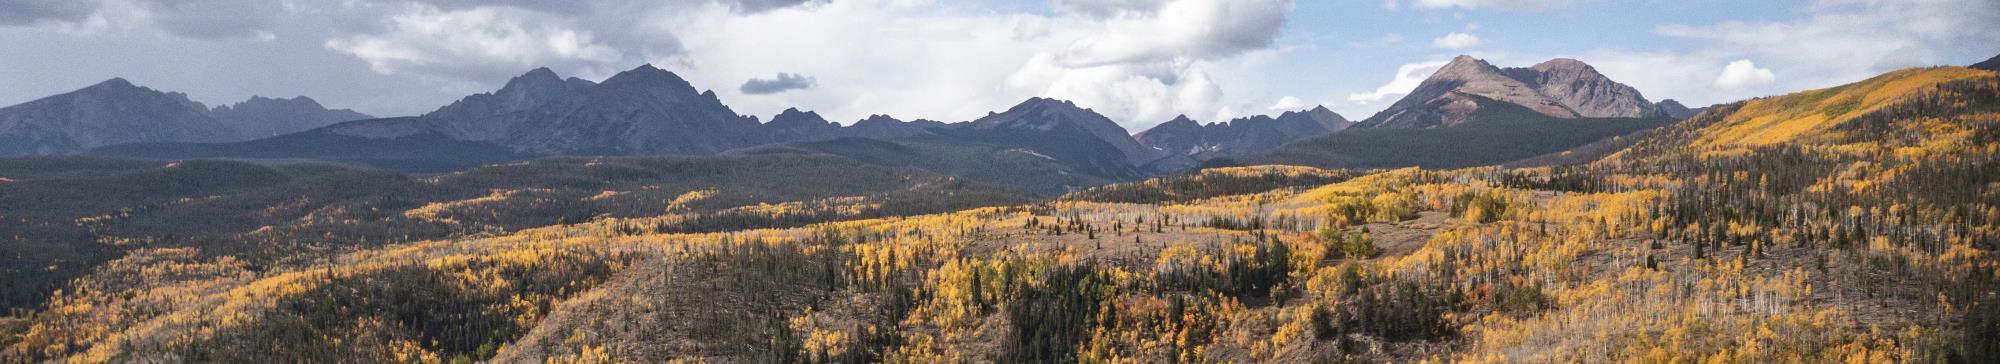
(1851, 224)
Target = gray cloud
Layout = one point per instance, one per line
(1146, 33)
(215, 19)
(22, 12)
(1106, 8)
(758, 6)
(784, 82)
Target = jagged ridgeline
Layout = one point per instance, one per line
(1851, 224)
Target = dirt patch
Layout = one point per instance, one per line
(1403, 237)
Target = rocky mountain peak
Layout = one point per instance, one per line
(649, 76)
(534, 88)
(537, 80)
(1674, 109)
(1560, 88)
(792, 118)
(1564, 64)
(1313, 123)
(874, 120)
(113, 83)
(1465, 68)
(1052, 115)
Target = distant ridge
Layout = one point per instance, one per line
(117, 112)
(650, 111)
(1188, 142)
(1991, 64)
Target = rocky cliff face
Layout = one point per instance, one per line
(1560, 88)
(638, 112)
(643, 111)
(1578, 87)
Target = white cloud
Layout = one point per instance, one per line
(931, 60)
(1456, 41)
(1106, 8)
(1197, 29)
(1743, 74)
(1288, 103)
(1407, 78)
(1839, 41)
(476, 43)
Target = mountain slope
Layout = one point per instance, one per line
(1823, 117)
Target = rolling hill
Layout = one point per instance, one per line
(72, 213)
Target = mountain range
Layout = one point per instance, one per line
(117, 112)
(1042, 145)
(1189, 142)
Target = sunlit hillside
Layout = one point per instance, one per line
(1853, 224)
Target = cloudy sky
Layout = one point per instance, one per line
(1138, 61)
